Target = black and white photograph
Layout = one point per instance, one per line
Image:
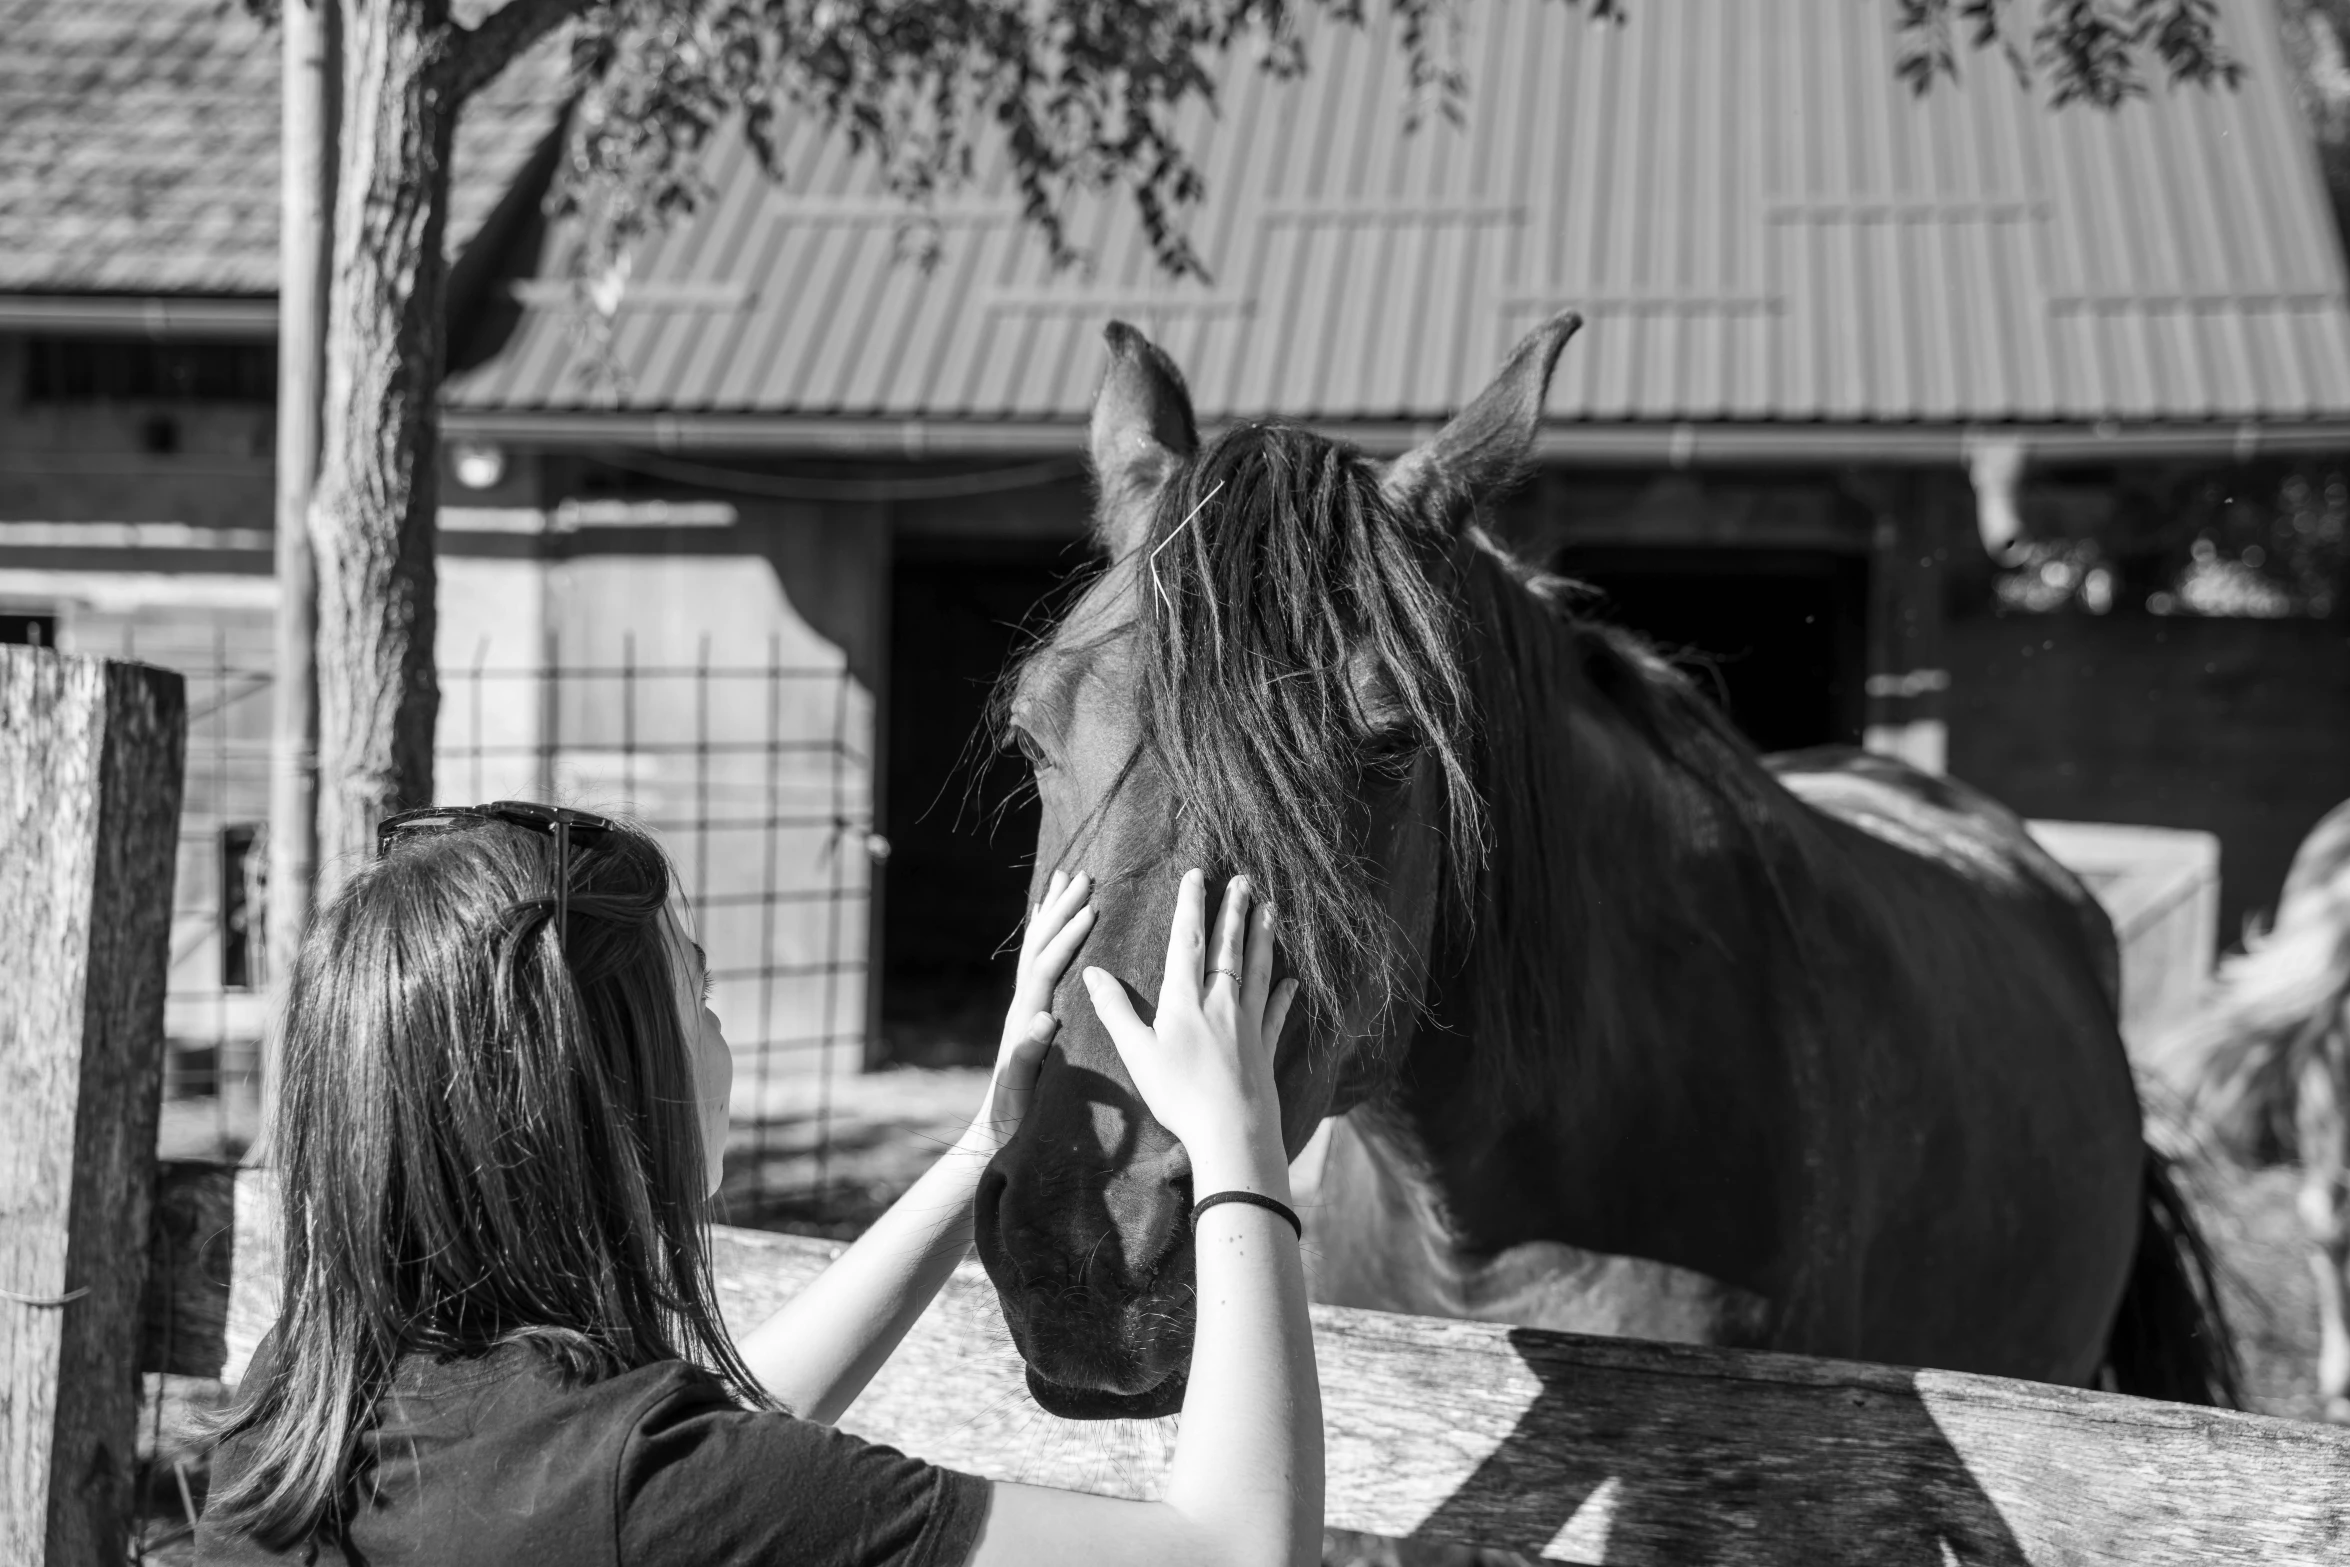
(1175, 783)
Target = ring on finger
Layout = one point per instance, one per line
(1227, 973)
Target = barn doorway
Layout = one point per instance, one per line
(960, 826)
(1779, 637)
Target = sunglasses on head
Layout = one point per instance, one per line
(558, 822)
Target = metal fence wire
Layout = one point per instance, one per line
(757, 779)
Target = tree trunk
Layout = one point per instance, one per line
(371, 519)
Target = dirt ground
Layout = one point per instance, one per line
(886, 1128)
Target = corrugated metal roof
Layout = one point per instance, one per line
(1758, 219)
(139, 146)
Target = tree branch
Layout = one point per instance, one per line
(488, 47)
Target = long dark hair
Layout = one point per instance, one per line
(484, 1135)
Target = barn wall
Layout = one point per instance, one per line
(2235, 727)
(90, 461)
(710, 664)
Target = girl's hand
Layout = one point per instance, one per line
(1057, 927)
(1205, 1065)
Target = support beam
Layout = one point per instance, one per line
(90, 762)
(1996, 469)
(1907, 673)
(306, 197)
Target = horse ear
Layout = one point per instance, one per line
(1142, 428)
(1486, 445)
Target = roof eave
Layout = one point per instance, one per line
(1623, 444)
(213, 317)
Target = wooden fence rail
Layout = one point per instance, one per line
(1574, 1449)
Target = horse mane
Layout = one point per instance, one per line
(2275, 1007)
(1273, 575)
(1659, 778)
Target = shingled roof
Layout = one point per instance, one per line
(1763, 226)
(139, 147)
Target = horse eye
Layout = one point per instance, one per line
(1390, 755)
(1037, 760)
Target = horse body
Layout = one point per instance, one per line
(1613, 1028)
(1952, 1177)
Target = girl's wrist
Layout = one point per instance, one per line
(1240, 1162)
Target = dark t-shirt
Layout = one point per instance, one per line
(496, 1461)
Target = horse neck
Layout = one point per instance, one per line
(1618, 810)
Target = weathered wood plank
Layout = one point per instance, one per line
(1589, 1450)
(90, 758)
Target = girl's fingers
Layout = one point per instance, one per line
(1046, 966)
(1064, 896)
(1186, 941)
(1069, 893)
(1256, 982)
(1036, 912)
(1127, 1031)
(1063, 906)
(1277, 1014)
(1231, 934)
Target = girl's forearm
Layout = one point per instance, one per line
(815, 1355)
(1245, 1487)
(1248, 1461)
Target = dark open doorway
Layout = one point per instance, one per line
(1778, 637)
(961, 827)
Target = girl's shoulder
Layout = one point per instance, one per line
(490, 1458)
(502, 1458)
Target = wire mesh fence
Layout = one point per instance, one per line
(756, 776)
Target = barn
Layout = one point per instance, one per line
(2013, 440)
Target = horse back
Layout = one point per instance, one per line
(1946, 823)
(1976, 982)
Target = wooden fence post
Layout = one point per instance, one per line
(90, 761)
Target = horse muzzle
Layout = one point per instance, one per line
(1095, 1280)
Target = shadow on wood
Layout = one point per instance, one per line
(1645, 1460)
(1580, 1449)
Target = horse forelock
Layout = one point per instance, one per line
(1296, 634)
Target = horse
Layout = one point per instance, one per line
(1607, 1025)
(2266, 1058)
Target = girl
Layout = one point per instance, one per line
(501, 1111)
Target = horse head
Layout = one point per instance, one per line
(1266, 679)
